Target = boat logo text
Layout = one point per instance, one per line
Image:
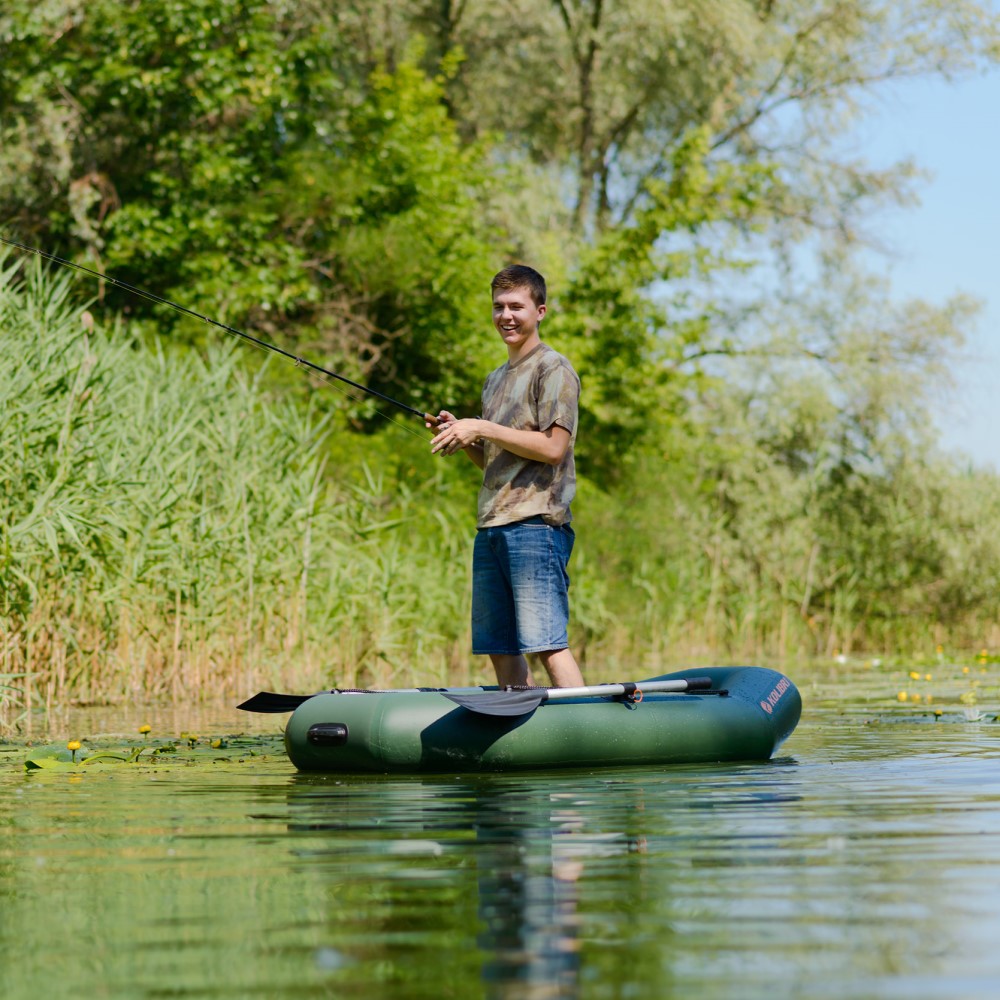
(775, 696)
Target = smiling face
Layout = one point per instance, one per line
(516, 318)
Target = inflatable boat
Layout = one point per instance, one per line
(692, 716)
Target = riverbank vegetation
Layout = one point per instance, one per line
(184, 519)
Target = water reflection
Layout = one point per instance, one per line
(529, 860)
(533, 842)
(527, 846)
(864, 862)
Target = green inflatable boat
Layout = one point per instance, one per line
(693, 716)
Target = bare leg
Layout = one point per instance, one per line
(562, 668)
(511, 670)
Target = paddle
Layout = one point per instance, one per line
(267, 702)
(499, 702)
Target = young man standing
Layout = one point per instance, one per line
(524, 444)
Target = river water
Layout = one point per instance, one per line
(863, 861)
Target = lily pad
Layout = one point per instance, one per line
(187, 750)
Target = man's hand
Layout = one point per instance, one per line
(454, 435)
(440, 421)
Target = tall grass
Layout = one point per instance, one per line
(168, 530)
(733, 556)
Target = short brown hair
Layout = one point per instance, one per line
(520, 276)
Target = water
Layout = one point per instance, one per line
(864, 861)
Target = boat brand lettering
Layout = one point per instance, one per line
(775, 696)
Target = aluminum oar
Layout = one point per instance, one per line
(493, 701)
(270, 703)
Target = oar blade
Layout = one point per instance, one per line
(500, 703)
(268, 702)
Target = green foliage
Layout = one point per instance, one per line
(603, 93)
(629, 345)
(240, 170)
(406, 234)
(808, 512)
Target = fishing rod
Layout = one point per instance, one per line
(153, 297)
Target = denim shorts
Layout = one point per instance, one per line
(520, 588)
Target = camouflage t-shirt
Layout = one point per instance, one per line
(536, 393)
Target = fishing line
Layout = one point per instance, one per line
(261, 344)
(357, 399)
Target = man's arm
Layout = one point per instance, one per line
(549, 446)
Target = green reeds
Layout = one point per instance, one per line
(168, 531)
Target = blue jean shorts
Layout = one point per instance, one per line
(520, 588)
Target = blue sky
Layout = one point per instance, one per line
(949, 243)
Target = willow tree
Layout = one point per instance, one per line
(734, 111)
(603, 91)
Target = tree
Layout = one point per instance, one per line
(604, 92)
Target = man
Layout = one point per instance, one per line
(524, 444)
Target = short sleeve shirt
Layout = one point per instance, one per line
(536, 393)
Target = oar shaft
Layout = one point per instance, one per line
(605, 690)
